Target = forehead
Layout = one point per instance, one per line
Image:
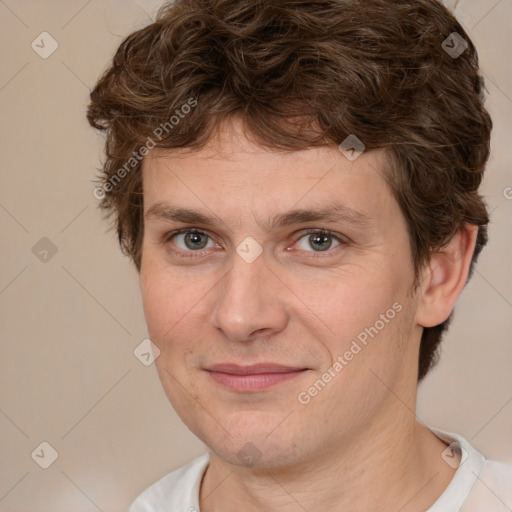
(234, 176)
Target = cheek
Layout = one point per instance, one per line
(352, 300)
(368, 314)
(156, 300)
(174, 308)
(172, 324)
(164, 300)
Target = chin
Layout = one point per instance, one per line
(255, 440)
(265, 456)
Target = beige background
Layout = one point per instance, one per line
(69, 325)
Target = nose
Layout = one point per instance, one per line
(250, 302)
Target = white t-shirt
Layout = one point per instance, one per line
(478, 485)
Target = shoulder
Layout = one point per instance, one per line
(493, 488)
(478, 484)
(178, 490)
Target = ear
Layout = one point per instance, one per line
(445, 276)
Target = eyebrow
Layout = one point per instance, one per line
(331, 212)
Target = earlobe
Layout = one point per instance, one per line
(445, 276)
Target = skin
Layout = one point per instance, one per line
(356, 445)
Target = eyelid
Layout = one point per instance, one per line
(168, 236)
(338, 236)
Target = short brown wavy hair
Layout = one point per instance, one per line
(305, 74)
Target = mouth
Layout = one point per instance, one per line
(251, 378)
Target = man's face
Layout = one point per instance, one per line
(333, 309)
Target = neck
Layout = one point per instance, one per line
(394, 464)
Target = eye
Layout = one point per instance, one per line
(319, 240)
(191, 240)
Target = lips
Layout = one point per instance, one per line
(256, 377)
(252, 369)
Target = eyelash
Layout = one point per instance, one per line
(343, 241)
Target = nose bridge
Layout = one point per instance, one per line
(242, 282)
(245, 302)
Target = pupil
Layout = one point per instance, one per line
(323, 241)
(193, 241)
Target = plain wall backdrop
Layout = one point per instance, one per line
(71, 313)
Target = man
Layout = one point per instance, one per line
(297, 184)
